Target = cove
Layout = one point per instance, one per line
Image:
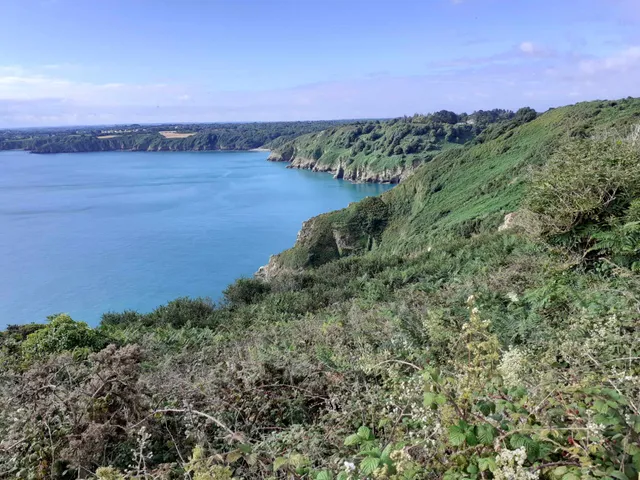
(86, 233)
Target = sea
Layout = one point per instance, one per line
(87, 233)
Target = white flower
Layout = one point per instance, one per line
(349, 466)
(594, 429)
(510, 465)
(512, 367)
(513, 296)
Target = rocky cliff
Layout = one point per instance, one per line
(348, 171)
(355, 229)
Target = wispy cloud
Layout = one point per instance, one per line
(620, 62)
(527, 74)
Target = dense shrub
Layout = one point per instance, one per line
(586, 185)
(127, 317)
(245, 291)
(61, 334)
(181, 312)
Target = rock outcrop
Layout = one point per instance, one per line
(329, 236)
(342, 170)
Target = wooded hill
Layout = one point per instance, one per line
(389, 150)
(223, 136)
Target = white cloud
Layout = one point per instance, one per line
(621, 61)
(527, 47)
(18, 83)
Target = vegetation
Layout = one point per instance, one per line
(412, 336)
(222, 136)
(388, 150)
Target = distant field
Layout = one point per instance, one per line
(104, 137)
(173, 134)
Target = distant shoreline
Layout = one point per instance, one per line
(259, 150)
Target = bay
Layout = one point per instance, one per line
(87, 233)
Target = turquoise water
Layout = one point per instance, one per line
(92, 232)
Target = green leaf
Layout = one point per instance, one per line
(429, 399)
(472, 469)
(471, 438)
(324, 475)
(368, 465)
(456, 435)
(352, 440)
(488, 463)
(601, 406)
(486, 433)
(487, 408)
(618, 475)
(279, 462)
(386, 453)
(245, 448)
(234, 456)
(570, 476)
(517, 441)
(342, 476)
(364, 433)
(559, 471)
(297, 460)
(373, 452)
(606, 419)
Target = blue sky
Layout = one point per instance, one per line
(72, 62)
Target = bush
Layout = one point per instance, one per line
(245, 291)
(61, 334)
(585, 183)
(181, 312)
(127, 317)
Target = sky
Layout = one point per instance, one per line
(81, 62)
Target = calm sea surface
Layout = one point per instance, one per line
(86, 233)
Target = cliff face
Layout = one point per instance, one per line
(342, 169)
(327, 237)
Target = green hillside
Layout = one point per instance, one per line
(386, 151)
(416, 335)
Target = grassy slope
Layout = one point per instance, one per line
(466, 190)
(484, 182)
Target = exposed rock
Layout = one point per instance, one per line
(345, 243)
(510, 220)
(342, 170)
(272, 269)
(332, 235)
(356, 175)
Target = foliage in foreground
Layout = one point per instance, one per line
(443, 353)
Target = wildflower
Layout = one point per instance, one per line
(512, 367)
(510, 465)
(594, 429)
(349, 466)
(513, 296)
